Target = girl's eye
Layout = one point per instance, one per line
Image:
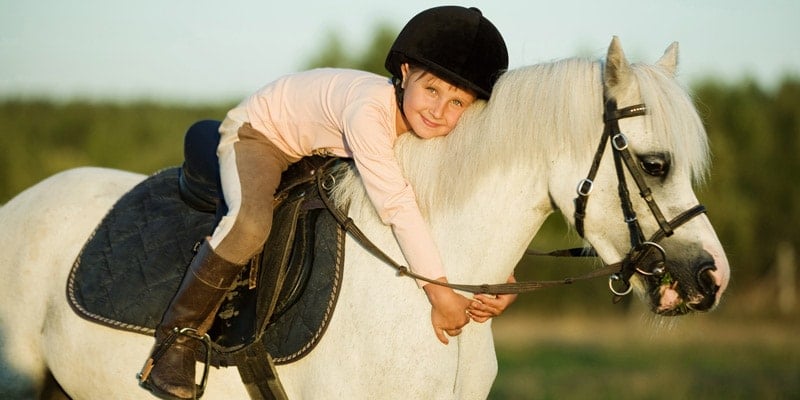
(458, 103)
(431, 90)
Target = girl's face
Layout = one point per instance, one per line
(431, 105)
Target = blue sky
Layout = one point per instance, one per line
(202, 50)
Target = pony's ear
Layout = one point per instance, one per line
(669, 61)
(618, 70)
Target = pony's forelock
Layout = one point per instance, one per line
(675, 121)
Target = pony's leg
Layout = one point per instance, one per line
(41, 233)
(22, 308)
(52, 390)
(18, 385)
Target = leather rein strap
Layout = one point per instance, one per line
(402, 270)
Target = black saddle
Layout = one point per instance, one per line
(128, 271)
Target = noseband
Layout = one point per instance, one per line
(641, 249)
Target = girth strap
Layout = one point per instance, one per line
(258, 373)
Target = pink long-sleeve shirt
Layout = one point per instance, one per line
(346, 113)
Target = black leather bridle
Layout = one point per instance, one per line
(641, 249)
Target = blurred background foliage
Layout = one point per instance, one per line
(750, 194)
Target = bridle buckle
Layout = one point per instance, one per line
(619, 141)
(585, 187)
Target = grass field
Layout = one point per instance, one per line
(637, 356)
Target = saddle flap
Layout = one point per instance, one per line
(246, 307)
(297, 276)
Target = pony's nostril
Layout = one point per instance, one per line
(707, 284)
(706, 280)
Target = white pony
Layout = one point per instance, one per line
(486, 189)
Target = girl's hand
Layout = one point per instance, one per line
(448, 310)
(485, 306)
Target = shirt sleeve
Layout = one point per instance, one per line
(370, 136)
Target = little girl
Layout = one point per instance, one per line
(441, 62)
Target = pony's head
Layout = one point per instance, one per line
(667, 245)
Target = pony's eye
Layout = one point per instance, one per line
(656, 164)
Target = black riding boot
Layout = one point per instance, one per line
(170, 371)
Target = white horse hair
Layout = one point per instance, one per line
(485, 189)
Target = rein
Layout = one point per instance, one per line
(619, 272)
(402, 270)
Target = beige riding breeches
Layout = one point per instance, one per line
(250, 171)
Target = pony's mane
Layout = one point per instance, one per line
(513, 131)
(535, 112)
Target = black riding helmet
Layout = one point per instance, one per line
(457, 44)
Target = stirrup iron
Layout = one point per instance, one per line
(169, 341)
